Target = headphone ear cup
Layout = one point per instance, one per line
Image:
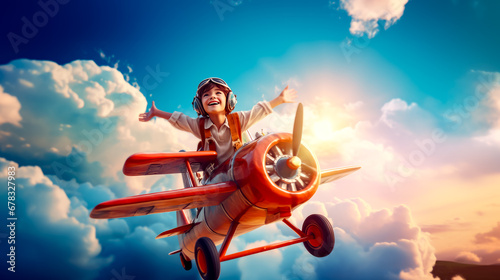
(231, 101)
(198, 106)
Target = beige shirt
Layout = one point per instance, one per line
(222, 136)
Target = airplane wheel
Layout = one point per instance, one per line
(324, 240)
(207, 259)
(186, 264)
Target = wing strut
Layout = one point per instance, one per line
(303, 237)
(191, 175)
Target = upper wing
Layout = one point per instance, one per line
(166, 201)
(336, 173)
(166, 163)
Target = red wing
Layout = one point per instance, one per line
(336, 173)
(166, 163)
(166, 201)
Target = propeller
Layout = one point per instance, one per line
(284, 168)
(297, 129)
(294, 162)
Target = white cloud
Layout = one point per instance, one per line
(366, 14)
(492, 100)
(52, 232)
(82, 116)
(25, 83)
(56, 227)
(9, 108)
(352, 107)
(359, 27)
(409, 119)
(386, 242)
(467, 257)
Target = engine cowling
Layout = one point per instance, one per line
(270, 177)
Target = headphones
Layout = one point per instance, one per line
(230, 101)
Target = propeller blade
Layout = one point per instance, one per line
(297, 129)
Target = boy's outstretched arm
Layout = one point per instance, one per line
(154, 112)
(286, 96)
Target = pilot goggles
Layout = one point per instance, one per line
(218, 81)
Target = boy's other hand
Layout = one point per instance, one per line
(288, 95)
(144, 117)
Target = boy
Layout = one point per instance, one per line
(214, 100)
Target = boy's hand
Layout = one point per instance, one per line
(144, 117)
(286, 96)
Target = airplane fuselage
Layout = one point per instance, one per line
(262, 196)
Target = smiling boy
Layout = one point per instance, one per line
(214, 100)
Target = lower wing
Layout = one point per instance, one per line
(167, 201)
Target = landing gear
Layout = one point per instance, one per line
(324, 239)
(207, 259)
(186, 264)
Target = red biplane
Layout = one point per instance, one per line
(262, 183)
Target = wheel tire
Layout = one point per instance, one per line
(324, 239)
(207, 259)
(186, 264)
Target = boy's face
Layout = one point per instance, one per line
(214, 101)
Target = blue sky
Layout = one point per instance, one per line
(409, 90)
(433, 45)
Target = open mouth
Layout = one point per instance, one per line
(213, 103)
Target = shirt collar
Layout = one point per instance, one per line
(209, 123)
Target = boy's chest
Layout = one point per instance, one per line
(221, 135)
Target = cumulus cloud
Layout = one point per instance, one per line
(54, 225)
(369, 244)
(387, 241)
(392, 107)
(78, 123)
(486, 96)
(79, 120)
(467, 257)
(366, 14)
(48, 230)
(9, 108)
(489, 255)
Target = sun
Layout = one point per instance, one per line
(323, 129)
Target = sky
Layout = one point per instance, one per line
(408, 90)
